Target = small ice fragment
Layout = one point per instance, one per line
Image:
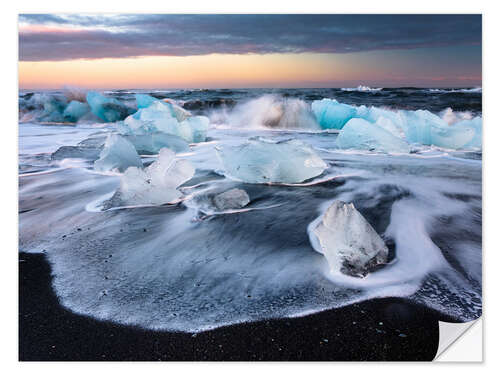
(260, 160)
(331, 114)
(231, 199)
(117, 154)
(156, 184)
(348, 242)
(362, 135)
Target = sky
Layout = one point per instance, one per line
(117, 51)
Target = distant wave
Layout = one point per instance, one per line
(361, 88)
(470, 90)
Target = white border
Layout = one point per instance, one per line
(8, 92)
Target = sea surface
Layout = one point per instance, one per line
(172, 267)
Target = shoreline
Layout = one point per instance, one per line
(387, 329)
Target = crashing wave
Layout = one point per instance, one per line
(272, 111)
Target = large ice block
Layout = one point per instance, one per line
(164, 117)
(154, 142)
(260, 160)
(360, 134)
(426, 128)
(349, 243)
(75, 111)
(117, 154)
(331, 114)
(106, 108)
(156, 184)
(144, 100)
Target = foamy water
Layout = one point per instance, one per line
(183, 267)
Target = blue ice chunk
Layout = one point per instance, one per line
(157, 117)
(372, 114)
(331, 114)
(466, 134)
(144, 100)
(194, 129)
(166, 118)
(107, 109)
(420, 125)
(75, 110)
(261, 160)
(426, 128)
(477, 124)
(154, 142)
(52, 105)
(363, 135)
(117, 154)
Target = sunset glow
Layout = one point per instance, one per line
(109, 53)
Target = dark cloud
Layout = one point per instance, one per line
(99, 36)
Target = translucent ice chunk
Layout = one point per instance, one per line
(156, 184)
(231, 199)
(117, 154)
(164, 117)
(177, 111)
(426, 128)
(264, 161)
(452, 130)
(362, 135)
(144, 100)
(154, 142)
(75, 110)
(194, 129)
(331, 114)
(348, 242)
(476, 124)
(107, 109)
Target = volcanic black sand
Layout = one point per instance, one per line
(389, 329)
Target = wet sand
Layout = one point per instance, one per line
(389, 329)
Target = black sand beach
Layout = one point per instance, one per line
(389, 329)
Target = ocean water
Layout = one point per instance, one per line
(173, 267)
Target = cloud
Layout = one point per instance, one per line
(47, 37)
